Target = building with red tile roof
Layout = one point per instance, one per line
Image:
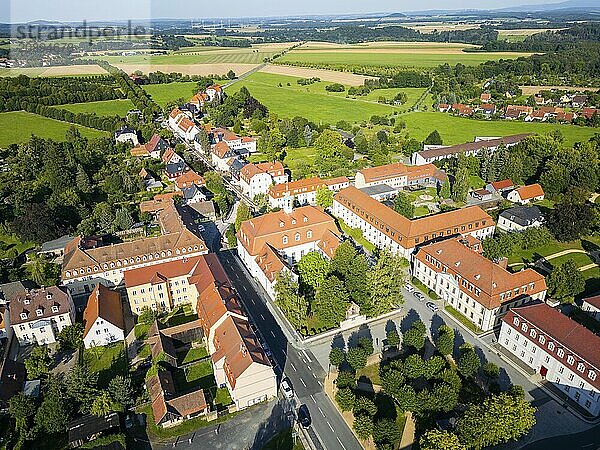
(188, 179)
(257, 178)
(103, 318)
(385, 228)
(303, 191)
(591, 305)
(399, 175)
(526, 194)
(500, 186)
(561, 351)
(462, 110)
(478, 288)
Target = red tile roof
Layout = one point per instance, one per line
(188, 178)
(503, 184)
(221, 150)
(530, 191)
(594, 301)
(106, 304)
(296, 187)
(159, 272)
(385, 172)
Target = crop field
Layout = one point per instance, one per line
(55, 71)
(165, 93)
(284, 96)
(103, 108)
(19, 126)
(334, 76)
(456, 130)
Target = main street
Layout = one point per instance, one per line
(328, 430)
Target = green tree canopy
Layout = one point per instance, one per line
(324, 197)
(38, 362)
(331, 302)
(312, 268)
(468, 360)
(565, 281)
(438, 440)
(445, 340)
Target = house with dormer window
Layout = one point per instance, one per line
(37, 316)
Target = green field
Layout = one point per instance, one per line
(237, 56)
(312, 102)
(400, 59)
(19, 126)
(456, 130)
(165, 93)
(103, 108)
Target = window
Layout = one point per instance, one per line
(570, 359)
(542, 340)
(551, 346)
(592, 375)
(571, 377)
(23, 316)
(581, 367)
(39, 312)
(561, 369)
(588, 403)
(297, 237)
(516, 319)
(54, 309)
(285, 239)
(532, 333)
(309, 234)
(560, 353)
(577, 395)
(524, 327)
(508, 330)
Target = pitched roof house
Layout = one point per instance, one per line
(103, 318)
(397, 175)
(520, 218)
(526, 194)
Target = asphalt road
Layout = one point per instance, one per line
(328, 430)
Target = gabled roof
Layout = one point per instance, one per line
(473, 146)
(503, 184)
(269, 262)
(296, 187)
(394, 170)
(106, 304)
(523, 215)
(166, 270)
(594, 301)
(188, 178)
(530, 191)
(156, 141)
(222, 150)
(44, 299)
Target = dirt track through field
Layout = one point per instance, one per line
(349, 79)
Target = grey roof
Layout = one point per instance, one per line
(190, 192)
(523, 215)
(56, 244)
(172, 168)
(378, 189)
(204, 208)
(9, 290)
(125, 130)
(238, 164)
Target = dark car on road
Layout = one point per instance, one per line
(304, 416)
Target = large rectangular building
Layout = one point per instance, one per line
(398, 175)
(478, 288)
(303, 192)
(385, 228)
(563, 352)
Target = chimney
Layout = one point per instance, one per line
(288, 203)
(503, 262)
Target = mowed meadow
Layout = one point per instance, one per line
(285, 97)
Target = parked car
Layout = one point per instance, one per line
(432, 306)
(409, 287)
(418, 296)
(286, 388)
(304, 416)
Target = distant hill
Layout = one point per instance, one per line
(588, 5)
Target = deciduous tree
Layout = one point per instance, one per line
(468, 360)
(438, 440)
(445, 340)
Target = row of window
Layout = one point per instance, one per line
(297, 236)
(38, 312)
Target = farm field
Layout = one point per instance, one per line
(456, 130)
(102, 108)
(312, 102)
(409, 55)
(29, 124)
(165, 93)
(349, 79)
(56, 71)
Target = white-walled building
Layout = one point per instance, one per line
(385, 228)
(520, 218)
(257, 178)
(103, 318)
(182, 126)
(274, 242)
(220, 156)
(478, 288)
(240, 145)
(526, 194)
(591, 305)
(127, 135)
(303, 192)
(213, 92)
(563, 352)
(398, 175)
(37, 316)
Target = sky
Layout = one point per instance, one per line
(17, 11)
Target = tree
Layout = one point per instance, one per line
(293, 305)
(386, 433)
(331, 302)
(52, 416)
(331, 153)
(345, 379)
(243, 213)
(123, 220)
(433, 138)
(121, 391)
(203, 140)
(357, 358)
(363, 426)
(82, 180)
(38, 362)
(147, 316)
(364, 406)
(403, 205)
(336, 356)
(414, 337)
(468, 360)
(231, 75)
(499, 419)
(565, 281)
(352, 268)
(312, 268)
(43, 272)
(393, 338)
(433, 366)
(21, 408)
(102, 405)
(460, 188)
(324, 197)
(491, 371)
(445, 189)
(445, 340)
(81, 386)
(392, 381)
(366, 343)
(385, 282)
(569, 222)
(71, 337)
(345, 399)
(438, 440)
(414, 367)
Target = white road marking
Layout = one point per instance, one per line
(302, 381)
(320, 384)
(272, 334)
(313, 399)
(293, 366)
(262, 317)
(341, 443)
(244, 288)
(330, 427)
(305, 354)
(321, 411)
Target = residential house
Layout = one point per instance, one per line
(274, 242)
(526, 194)
(482, 195)
(579, 101)
(500, 187)
(302, 192)
(562, 352)
(385, 228)
(127, 135)
(151, 149)
(193, 194)
(485, 97)
(428, 156)
(520, 218)
(514, 112)
(257, 178)
(182, 125)
(588, 113)
(240, 145)
(170, 157)
(220, 155)
(337, 184)
(235, 168)
(444, 107)
(489, 109)
(37, 316)
(205, 211)
(89, 261)
(478, 288)
(188, 179)
(103, 318)
(591, 305)
(462, 110)
(150, 181)
(198, 101)
(55, 248)
(214, 91)
(544, 114)
(399, 175)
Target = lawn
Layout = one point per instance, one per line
(165, 93)
(532, 255)
(223, 398)
(105, 108)
(295, 158)
(356, 234)
(141, 330)
(371, 372)
(180, 315)
(108, 361)
(312, 102)
(198, 376)
(193, 354)
(456, 130)
(400, 58)
(18, 127)
(283, 441)
(462, 319)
